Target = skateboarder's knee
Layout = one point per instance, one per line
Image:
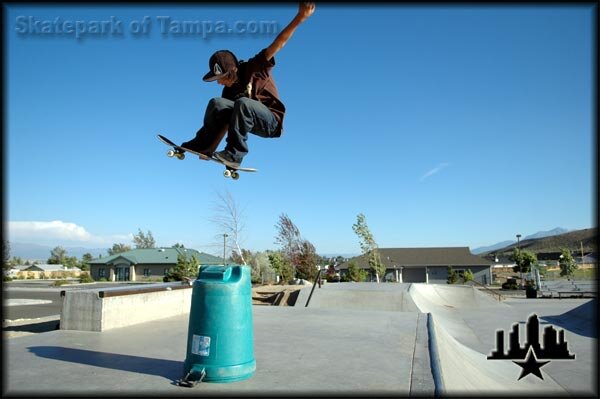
(244, 102)
(218, 104)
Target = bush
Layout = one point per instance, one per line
(468, 276)
(452, 276)
(7, 278)
(85, 278)
(58, 283)
(511, 284)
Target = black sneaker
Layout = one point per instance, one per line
(226, 158)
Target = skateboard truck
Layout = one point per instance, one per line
(192, 378)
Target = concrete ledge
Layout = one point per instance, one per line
(105, 309)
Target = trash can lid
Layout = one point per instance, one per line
(219, 273)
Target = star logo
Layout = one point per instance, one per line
(531, 365)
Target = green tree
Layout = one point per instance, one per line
(260, 267)
(468, 276)
(178, 245)
(355, 273)
(524, 260)
(567, 263)
(369, 246)
(142, 240)
(70, 262)
(118, 248)
(15, 261)
(85, 261)
(185, 268)
(282, 267)
(7, 262)
(57, 256)
(5, 254)
(452, 276)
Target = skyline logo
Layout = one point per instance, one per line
(555, 347)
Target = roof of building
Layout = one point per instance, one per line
(446, 256)
(48, 268)
(157, 256)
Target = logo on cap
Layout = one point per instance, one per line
(217, 69)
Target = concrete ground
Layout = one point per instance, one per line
(297, 352)
(353, 339)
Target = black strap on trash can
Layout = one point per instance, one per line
(192, 378)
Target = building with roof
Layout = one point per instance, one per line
(39, 270)
(144, 264)
(425, 265)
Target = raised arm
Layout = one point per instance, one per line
(305, 10)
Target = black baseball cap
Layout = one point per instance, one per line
(220, 63)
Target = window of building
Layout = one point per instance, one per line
(146, 272)
(101, 272)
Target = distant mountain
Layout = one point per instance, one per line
(549, 233)
(539, 234)
(499, 245)
(27, 251)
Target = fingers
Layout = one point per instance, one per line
(307, 8)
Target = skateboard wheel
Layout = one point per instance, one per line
(171, 153)
(235, 175)
(180, 156)
(227, 173)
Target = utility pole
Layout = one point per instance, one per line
(519, 254)
(224, 247)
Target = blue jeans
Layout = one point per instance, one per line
(243, 116)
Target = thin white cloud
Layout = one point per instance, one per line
(435, 170)
(59, 232)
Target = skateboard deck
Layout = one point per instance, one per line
(179, 153)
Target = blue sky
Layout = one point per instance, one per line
(444, 125)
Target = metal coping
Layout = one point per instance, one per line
(142, 290)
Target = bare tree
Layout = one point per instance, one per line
(229, 218)
(298, 252)
(288, 237)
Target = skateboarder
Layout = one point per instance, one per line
(250, 100)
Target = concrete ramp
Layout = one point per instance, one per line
(446, 303)
(359, 296)
(452, 296)
(465, 371)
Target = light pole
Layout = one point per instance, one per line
(519, 257)
(224, 247)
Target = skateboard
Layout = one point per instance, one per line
(179, 153)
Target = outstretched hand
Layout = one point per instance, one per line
(305, 10)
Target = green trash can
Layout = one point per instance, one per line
(220, 344)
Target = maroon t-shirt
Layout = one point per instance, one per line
(258, 71)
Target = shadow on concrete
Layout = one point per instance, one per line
(35, 327)
(170, 369)
(581, 320)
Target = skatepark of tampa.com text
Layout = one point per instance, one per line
(30, 26)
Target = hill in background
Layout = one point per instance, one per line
(573, 241)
